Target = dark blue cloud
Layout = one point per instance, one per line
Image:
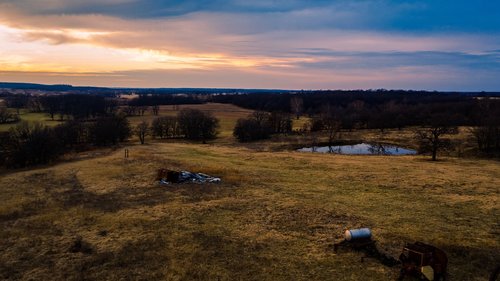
(165, 8)
(449, 15)
(488, 61)
(409, 15)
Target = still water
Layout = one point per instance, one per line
(361, 149)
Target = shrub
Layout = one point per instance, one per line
(197, 125)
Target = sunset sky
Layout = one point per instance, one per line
(293, 44)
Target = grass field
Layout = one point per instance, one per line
(31, 117)
(227, 114)
(275, 216)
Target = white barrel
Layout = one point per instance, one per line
(357, 234)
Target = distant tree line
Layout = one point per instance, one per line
(29, 144)
(329, 111)
(145, 102)
(77, 106)
(366, 109)
(165, 99)
(433, 115)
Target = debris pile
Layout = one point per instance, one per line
(166, 177)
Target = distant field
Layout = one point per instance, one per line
(274, 217)
(31, 117)
(227, 114)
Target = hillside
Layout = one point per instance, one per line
(275, 216)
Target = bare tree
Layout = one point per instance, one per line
(156, 109)
(331, 122)
(487, 130)
(297, 106)
(34, 104)
(142, 130)
(129, 110)
(280, 122)
(165, 127)
(431, 139)
(142, 109)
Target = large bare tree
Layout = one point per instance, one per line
(142, 130)
(332, 122)
(431, 136)
(297, 106)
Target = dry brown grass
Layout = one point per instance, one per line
(274, 217)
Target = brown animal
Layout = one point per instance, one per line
(417, 255)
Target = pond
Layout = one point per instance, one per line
(361, 149)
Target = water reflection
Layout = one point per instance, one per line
(361, 149)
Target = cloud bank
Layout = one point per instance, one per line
(449, 45)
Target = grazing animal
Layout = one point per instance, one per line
(418, 255)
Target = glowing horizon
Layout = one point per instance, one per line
(230, 44)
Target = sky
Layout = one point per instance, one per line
(450, 45)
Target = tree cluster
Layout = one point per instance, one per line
(134, 110)
(379, 109)
(31, 144)
(261, 125)
(165, 127)
(329, 120)
(7, 117)
(17, 101)
(487, 130)
(77, 106)
(197, 125)
(191, 124)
